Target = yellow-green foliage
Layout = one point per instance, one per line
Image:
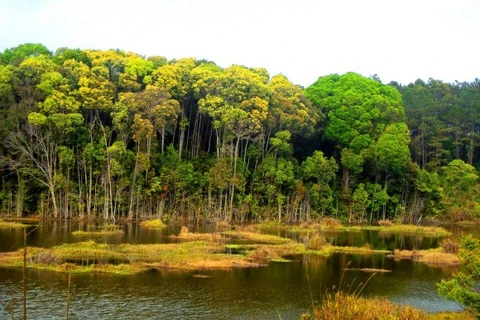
(141, 257)
(154, 224)
(329, 249)
(256, 237)
(8, 224)
(431, 256)
(97, 233)
(408, 228)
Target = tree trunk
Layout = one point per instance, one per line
(19, 196)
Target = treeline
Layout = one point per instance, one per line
(114, 135)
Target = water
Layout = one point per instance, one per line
(280, 290)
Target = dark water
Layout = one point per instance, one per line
(281, 290)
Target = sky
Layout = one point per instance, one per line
(302, 39)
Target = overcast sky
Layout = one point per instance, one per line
(302, 39)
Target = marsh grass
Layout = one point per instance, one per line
(106, 232)
(90, 256)
(186, 235)
(256, 237)
(368, 270)
(434, 257)
(410, 229)
(11, 224)
(329, 249)
(153, 224)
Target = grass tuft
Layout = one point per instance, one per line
(153, 224)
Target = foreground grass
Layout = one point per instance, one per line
(342, 306)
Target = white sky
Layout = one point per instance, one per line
(302, 39)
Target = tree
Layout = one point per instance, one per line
(357, 111)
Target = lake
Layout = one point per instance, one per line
(280, 290)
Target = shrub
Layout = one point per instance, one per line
(330, 223)
(316, 242)
(450, 245)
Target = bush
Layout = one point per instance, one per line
(330, 223)
(385, 223)
(450, 245)
(316, 242)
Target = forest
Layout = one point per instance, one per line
(94, 134)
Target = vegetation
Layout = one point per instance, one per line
(8, 224)
(463, 287)
(344, 306)
(186, 235)
(114, 135)
(430, 256)
(97, 233)
(153, 224)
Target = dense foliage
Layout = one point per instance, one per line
(463, 287)
(113, 135)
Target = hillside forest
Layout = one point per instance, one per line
(115, 135)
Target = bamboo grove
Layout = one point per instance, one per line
(114, 135)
